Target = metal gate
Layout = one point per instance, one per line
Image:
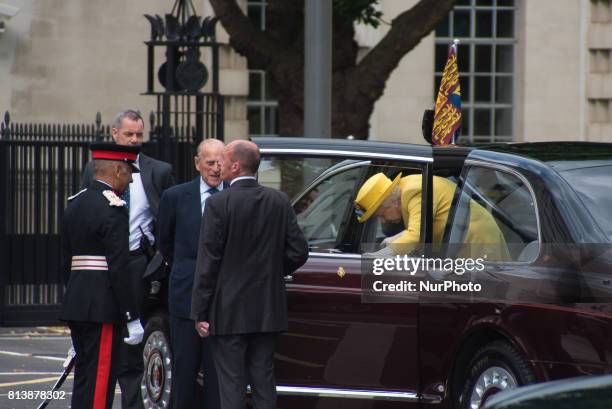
(40, 166)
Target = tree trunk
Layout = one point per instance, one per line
(356, 86)
(350, 112)
(290, 118)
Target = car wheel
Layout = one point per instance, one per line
(496, 367)
(157, 355)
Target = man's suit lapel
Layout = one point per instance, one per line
(193, 202)
(146, 174)
(191, 211)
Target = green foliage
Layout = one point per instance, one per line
(361, 11)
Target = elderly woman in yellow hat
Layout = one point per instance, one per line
(399, 200)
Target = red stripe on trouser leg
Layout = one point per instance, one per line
(104, 364)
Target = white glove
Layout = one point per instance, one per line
(391, 239)
(135, 333)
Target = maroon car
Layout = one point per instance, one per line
(551, 201)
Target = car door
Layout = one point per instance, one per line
(337, 346)
(486, 193)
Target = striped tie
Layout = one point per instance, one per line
(210, 192)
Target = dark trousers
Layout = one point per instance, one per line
(95, 376)
(190, 351)
(130, 361)
(239, 358)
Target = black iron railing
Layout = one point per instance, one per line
(40, 166)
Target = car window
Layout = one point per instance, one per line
(322, 192)
(323, 208)
(496, 209)
(292, 175)
(390, 231)
(593, 187)
(326, 210)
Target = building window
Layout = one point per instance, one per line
(486, 60)
(257, 13)
(600, 11)
(262, 106)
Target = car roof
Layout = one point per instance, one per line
(391, 148)
(553, 153)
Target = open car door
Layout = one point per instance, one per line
(337, 345)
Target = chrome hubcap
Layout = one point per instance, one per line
(157, 377)
(493, 380)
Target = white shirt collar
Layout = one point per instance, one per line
(204, 186)
(241, 178)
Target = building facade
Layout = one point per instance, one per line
(531, 70)
(526, 70)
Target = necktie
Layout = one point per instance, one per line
(126, 197)
(210, 192)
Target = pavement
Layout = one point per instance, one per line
(30, 363)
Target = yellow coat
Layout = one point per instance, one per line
(483, 235)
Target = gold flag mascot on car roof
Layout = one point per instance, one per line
(400, 201)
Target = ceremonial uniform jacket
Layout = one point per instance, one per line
(95, 258)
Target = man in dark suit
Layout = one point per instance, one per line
(98, 299)
(180, 216)
(249, 240)
(142, 198)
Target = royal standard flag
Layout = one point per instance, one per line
(447, 115)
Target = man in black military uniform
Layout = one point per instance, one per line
(99, 295)
(142, 197)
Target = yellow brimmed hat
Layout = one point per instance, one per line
(372, 193)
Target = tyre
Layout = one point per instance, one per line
(157, 355)
(496, 367)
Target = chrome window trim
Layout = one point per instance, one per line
(345, 154)
(324, 176)
(507, 169)
(335, 255)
